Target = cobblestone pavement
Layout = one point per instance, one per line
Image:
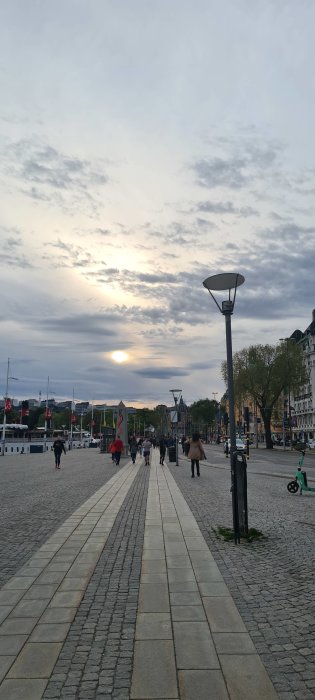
(272, 581)
(96, 659)
(36, 498)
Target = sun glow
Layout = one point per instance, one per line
(119, 356)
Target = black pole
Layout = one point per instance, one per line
(227, 311)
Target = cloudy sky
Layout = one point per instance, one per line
(146, 145)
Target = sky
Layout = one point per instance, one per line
(145, 146)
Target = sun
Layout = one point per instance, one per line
(119, 356)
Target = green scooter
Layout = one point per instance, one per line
(300, 481)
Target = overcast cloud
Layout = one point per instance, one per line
(143, 147)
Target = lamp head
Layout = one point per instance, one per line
(227, 281)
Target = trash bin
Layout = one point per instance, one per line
(172, 454)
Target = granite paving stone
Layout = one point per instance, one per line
(155, 671)
(202, 685)
(35, 661)
(26, 689)
(194, 646)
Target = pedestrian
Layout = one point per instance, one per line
(111, 449)
(58, 448)
(195, 454)
(118, 447)
(162, 446)
(146, 447)
(133, 449)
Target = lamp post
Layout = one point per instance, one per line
(176, 393)
(48, 412)
(229, 281)
(214, 394)
(7, 407)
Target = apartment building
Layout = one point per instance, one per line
(304, 403)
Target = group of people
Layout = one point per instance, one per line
(192, 448)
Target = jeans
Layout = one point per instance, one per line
(117, 456)
(193, 463)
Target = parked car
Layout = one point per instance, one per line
(311, 444)
(240, 447)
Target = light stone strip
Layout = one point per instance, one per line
(187, 621)
(40, 602)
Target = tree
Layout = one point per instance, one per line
(263, 372)
(203, 412)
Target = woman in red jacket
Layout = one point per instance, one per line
(118, 446)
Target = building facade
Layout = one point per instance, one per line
(304, 408)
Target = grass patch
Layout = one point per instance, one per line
(228, 534)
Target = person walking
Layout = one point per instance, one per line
(162, 446)
(111, 449)
(133, 449)
(58, 448)
(146, 446)
(118, 446)
(195, 454)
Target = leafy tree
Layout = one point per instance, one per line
(33, 419)
(203, 412)
(263, 372)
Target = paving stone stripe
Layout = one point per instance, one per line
(191, 641)
(39, 603)
(96, 659)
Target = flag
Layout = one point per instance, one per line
(7, 406)
(48, 413)
(73, 419)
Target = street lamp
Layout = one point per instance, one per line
(176, 393)
(229, 281)
(48, 412)
(7, 407)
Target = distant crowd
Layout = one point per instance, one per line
(191, 447)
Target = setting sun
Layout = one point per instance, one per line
(119, 356)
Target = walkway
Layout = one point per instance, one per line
(190, 640)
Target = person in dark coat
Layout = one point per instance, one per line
(162, 446)
(133, 449)
(58, 448)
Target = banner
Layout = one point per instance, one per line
(122, 425)
(7, 405)
(73, 419)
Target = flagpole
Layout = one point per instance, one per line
(4, 410)
(45, 435)
(71, 427)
